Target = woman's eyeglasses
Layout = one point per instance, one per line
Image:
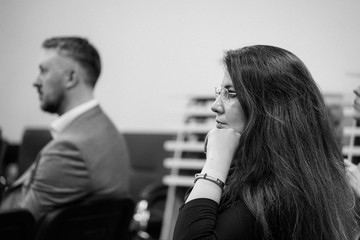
(224, 93)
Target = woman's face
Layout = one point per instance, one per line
(229, 113)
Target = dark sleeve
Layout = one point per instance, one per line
(356, 159)
(199, 219)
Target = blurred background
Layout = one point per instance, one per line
(156, 54)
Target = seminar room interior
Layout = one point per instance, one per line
(161, 61)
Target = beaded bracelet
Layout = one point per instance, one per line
(205, 176)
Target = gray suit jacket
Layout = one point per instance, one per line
(87, 161)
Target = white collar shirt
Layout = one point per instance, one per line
(64, 120)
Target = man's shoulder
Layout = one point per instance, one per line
(91, 125)
(89, 120)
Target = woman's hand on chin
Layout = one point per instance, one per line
(220, 147)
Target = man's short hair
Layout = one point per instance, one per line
(81, 51)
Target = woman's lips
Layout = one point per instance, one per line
(220, 125)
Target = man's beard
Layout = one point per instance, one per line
(52, 106)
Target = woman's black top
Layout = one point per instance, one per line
(200, 219)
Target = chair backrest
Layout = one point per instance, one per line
(146, 165)
(149, 211)
(33, 140)
(16, 224)
(102, 220)
(3, 150)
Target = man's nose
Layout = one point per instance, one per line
(36, 83)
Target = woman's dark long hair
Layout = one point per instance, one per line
(288, 168)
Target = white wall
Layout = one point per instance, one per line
(157, 53)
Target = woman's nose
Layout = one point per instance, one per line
(218, 106)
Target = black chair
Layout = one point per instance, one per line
(146, 165)
(33, 140)
(3, 150)
(16, 224)
(102, 220)
(149, 212)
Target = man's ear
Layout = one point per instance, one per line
(72, 79)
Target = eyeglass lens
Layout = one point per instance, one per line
(223, 92)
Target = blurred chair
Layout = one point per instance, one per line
(3, 151)
(149, 212)
(101, 220)
(33, 140)
(16, 224)
(147, 154)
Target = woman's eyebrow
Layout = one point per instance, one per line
(357, 93)
(227, 86)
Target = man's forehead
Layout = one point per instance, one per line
(47, 54)
(50, 54)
